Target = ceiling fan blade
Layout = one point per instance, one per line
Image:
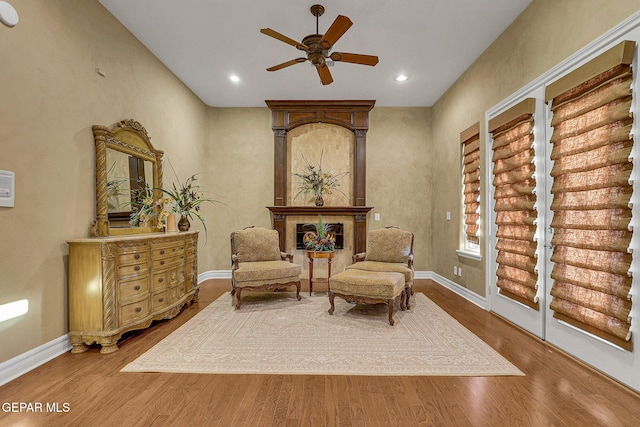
(325, 75)
(354, 58)
(286, 64)
(276, 35)
(335, 31)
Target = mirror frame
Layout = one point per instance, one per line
(129, 137)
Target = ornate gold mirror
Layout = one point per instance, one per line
(128, 171)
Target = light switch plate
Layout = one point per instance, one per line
(7, 189)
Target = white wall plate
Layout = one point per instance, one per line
(7, 189)
(8, 15)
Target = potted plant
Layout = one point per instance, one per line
(322, 239)
(318, 182)
(186, 200)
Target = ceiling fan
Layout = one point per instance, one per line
(317, 47)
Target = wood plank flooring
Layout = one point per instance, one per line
(556, 391)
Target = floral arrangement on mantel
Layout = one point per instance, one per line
(320, 240)
(318, 182)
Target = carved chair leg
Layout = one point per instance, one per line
(238, 300)
(391, 303)
(298, 291)
(403, 296)
(331, 297)
(408, 292)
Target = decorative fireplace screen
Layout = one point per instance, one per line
(336, 228)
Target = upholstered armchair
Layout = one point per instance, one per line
(389, 249)
(258, 265)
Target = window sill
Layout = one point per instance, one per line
(471, 255)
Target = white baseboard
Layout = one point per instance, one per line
(19, 365)
(465, 293)
(214, 274)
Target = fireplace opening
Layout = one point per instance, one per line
(336, 228)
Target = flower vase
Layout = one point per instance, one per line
(171, 223)
(184, 224)
(319, 200)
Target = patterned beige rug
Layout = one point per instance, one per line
(273, 333)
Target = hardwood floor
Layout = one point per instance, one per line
(89, 388)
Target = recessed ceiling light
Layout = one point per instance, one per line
(234, 78)
(402, 78)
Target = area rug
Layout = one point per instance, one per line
(273, 333)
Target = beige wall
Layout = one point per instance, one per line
(51, 95)
(399, 174)
(545, 34)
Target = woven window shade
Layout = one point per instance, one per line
(591, 193)
(470, 140)
(514, 183)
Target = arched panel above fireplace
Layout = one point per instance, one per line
(287, 115)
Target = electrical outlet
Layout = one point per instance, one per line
(448, 216)
(455, 270)
(459, 271)
(376, 216)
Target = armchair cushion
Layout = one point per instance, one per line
(378, 266)
(389, 245)
(257, 244)
(263, 272)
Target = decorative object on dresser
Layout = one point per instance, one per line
(186, 201)
(258, 265)
(126, 276)
(119, 284)
(127, 166)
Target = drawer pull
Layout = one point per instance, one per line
(137, 256)
(162, 252)
(137, 268)
(136, 287)
(160, 299)
(162, 262)
(138, 310)
(160, 280)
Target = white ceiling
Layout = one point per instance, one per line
(203, 42)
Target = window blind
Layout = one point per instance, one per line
(514, 183)
(591, 195)
(470, 140)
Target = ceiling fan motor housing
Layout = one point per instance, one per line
(317, 55)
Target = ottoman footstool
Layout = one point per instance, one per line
(368, 287)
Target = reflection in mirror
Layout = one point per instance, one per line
(129, 181)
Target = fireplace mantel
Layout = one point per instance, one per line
(358, 212)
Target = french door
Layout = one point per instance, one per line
(606, 347)
(522, 299)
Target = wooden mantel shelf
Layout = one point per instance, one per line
(320, 210)
(358, 212)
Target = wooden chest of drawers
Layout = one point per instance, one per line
(118, 284)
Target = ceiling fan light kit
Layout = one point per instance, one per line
(317, 47)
